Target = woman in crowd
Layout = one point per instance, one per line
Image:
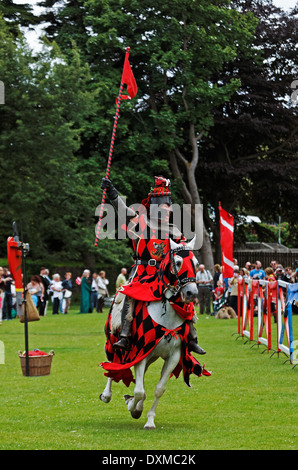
(85, 292)
(56, 287)
(67, 292)
(36, 289)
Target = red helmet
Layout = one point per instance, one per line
(160, 194)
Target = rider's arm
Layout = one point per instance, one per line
(115, 199)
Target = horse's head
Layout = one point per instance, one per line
(178, 272)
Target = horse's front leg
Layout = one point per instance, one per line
(135, 403)
(106, 395)
(168, 367)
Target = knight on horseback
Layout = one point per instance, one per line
(150, 229)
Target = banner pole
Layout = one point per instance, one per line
(25, 304)
(118, 102)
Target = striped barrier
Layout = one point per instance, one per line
(287, 325)
(263, 299)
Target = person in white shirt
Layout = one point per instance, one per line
(56, 287)
(121, 279)
(102, 290)
(204, 282)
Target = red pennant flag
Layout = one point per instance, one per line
(226, 242)
(129, 80)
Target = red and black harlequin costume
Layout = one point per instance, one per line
(150, 231)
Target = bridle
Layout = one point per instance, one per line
(180, 283)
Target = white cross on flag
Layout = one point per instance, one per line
(226, 242)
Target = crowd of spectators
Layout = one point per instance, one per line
(94, 289)
(54, 294)
(57, 292)
(42, 290)
(212, 290)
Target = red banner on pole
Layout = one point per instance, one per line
(226, 242)
(127, 79)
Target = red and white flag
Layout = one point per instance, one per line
(226, 242)
(129, 79)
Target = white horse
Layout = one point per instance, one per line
(181, 260)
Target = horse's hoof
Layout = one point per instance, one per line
(150, 423)
(127, 398)
(104, 398)
(136, 414)
(149, 428)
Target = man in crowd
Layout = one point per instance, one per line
(121, 279)
(257, 273)
(45, 298)
(204, 281)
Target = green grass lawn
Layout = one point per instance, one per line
(249, 402)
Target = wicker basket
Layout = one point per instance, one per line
(38, 365)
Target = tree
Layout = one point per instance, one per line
(45, 105)
(177, 49)
(248, 161)
(17, 15)
(66, 22)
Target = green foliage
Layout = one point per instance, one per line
(46, 103)
(17, 15)
(249, 159)
(269, 233)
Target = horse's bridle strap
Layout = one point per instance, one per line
(183, 282)
(187, 280)
(180, 283)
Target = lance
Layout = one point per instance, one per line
(129, 80)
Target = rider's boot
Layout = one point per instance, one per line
(193, 340)
(125, 340)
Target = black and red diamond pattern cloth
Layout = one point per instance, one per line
(147, 245)
(146, 333)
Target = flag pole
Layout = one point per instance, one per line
(118, 102)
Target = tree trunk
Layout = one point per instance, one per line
(89, 261)
(206, 252)
(190, 189)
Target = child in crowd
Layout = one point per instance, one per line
(218, 294)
